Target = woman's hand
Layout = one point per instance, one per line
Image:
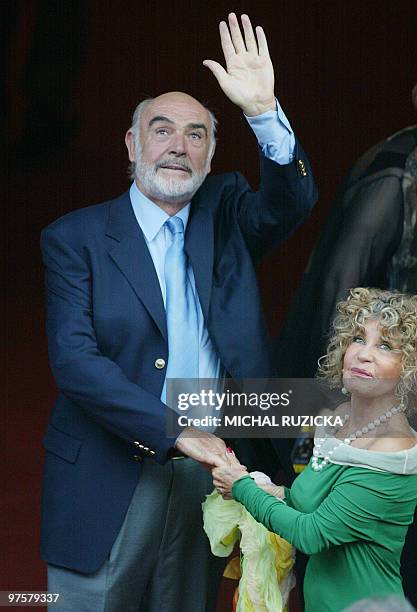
(265, 483)
(226, 475)
(275, 490)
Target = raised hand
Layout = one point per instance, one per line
(248, 80)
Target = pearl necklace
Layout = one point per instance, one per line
(350, 438)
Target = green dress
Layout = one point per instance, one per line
(351, 518)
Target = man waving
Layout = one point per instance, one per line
(157, 284)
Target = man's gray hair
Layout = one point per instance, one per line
(135, 129)
(381, 604)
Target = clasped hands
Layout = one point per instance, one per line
(225, 476)
(212, 453)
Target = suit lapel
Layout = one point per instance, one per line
(199, 248)
(132, 257)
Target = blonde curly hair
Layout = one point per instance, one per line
(397, 316)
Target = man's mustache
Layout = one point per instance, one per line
(165, 163)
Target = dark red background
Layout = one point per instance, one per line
(344, 72)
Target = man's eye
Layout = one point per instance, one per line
(162, 131)
(195, 136)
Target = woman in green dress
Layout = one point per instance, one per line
(350, 508)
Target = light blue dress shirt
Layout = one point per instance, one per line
(158, 238)
(274, 134)
(276, 139)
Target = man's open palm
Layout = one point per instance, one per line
(248, 80)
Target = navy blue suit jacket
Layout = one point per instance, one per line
(106, 328)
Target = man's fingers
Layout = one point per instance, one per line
(250, 41)
(236, 34)
(262, 42)
(226, 43)
(215, 460)
(217, 69)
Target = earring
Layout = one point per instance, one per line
(344, 391)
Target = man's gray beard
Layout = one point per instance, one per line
(168, 189)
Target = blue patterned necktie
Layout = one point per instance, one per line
(181, 308)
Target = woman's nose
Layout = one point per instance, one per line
(365, 353)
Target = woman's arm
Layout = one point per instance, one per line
(351, 512)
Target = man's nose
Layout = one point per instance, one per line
(177, 144)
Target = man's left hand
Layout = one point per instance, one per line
(206, 448)
(248, 80)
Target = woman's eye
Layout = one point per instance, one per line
(358, 339)
(385, 346)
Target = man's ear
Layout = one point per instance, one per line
(130, 144)
(210, 158)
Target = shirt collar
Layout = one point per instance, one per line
(150, 216)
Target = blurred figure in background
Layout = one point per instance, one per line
(369, 240)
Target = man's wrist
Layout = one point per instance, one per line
(254, 110)
(174, 453)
